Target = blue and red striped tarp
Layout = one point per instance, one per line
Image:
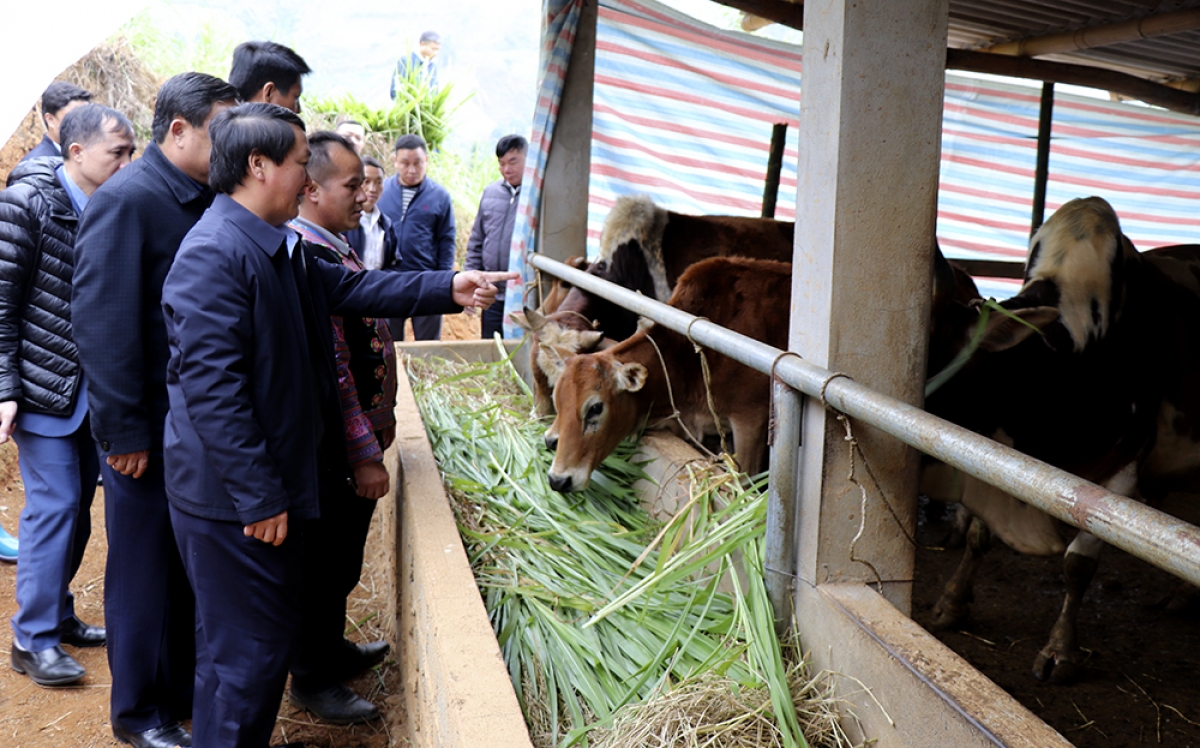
(683, 112)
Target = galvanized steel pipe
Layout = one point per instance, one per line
(1153, 536)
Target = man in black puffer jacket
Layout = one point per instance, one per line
(43, 392)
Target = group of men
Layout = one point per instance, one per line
(196, 328)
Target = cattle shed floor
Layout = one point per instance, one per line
(1138, 686)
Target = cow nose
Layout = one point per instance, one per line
(551, 442)
(560, 483)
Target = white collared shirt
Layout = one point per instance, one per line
(372, 239)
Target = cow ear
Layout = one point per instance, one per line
(630, 377)
(519, 320)
(1007, 330)
(589, 340)
(536, 319)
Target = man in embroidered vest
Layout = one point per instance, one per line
(356, 476)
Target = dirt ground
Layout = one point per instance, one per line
(33, 717)
(1138, 684)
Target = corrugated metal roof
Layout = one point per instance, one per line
(979, 24)
(1166, 55)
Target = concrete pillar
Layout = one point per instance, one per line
(562, 230)
(870, 136)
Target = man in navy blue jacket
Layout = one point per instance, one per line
(127, 240)
(422, 217)
(249, 381)
(59, 98)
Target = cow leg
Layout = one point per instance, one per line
(1058, 661)
(953, 606)
(750, 443)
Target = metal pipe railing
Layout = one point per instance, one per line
(1153, 536)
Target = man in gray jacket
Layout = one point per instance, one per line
(492, 234)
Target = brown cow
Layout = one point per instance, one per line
(1110, 389)
(647, 249)
(603, 397)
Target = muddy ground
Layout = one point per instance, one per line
(1138, 686)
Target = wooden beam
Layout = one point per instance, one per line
(1079, 75)
(776, 11)
(1101, 35)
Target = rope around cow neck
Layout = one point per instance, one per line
(675, 414)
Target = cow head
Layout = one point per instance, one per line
(598, 406)
(552, 340)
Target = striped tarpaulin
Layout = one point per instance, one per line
(560, 19)
(683, 112)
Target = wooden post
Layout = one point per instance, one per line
(774, 169)
(1041, 174)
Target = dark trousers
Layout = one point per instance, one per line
(59, 473)
(332, 558)
(428, 327)
(149, 609)
(247, 609)
(492, 320)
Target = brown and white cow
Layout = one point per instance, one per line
(1109, 389)
(646, 249)
(604, 397)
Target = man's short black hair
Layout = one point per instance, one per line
(238, 132)
(255, 64)
(321, 145)
(189, 96)
(60, 93)
(510, 143)
(368, 161)
(430, 36)
(410, 143)
(88, 123)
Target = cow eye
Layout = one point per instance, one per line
(594, 410)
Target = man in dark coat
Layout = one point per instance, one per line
(491, 236)
(250, 381)
(420, 63)
(127, 241)
(269, 72)
(43, 393)
(422, 216)
(58, 100)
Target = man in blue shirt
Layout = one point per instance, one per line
(252, 389)
(422, 216)
(43, 391)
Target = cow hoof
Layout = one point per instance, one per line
(1054, 667)
(949, 614)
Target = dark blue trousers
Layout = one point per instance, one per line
(60, 481)
(428, 327)
(149, 609)
(332, 565)
(492, 320)
(247, 617)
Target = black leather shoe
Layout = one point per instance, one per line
(360, 658)
(50, 667)
(337, 705)
(78, 634)
(170, 735)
